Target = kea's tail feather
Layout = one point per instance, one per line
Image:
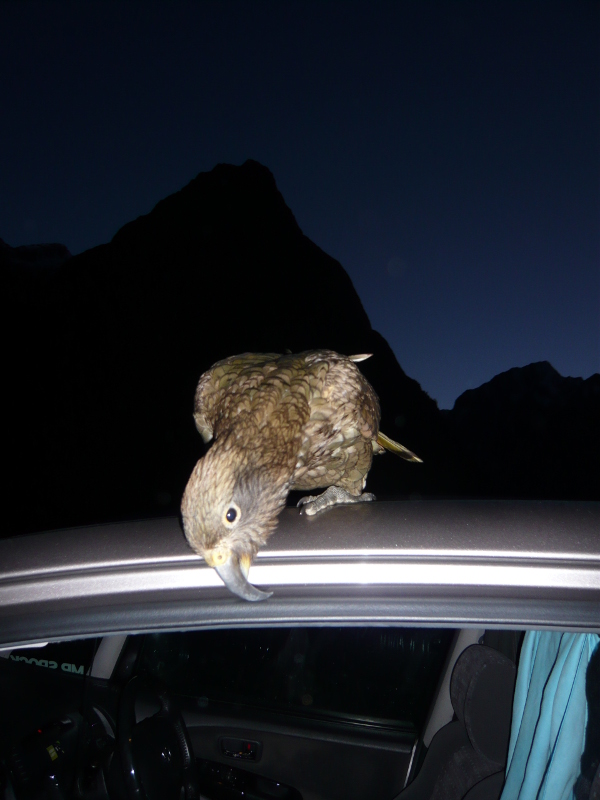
(394, 447)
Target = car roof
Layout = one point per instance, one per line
(443, 562)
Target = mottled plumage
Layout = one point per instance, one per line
(279, 422)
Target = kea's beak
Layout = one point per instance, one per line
(233, 571)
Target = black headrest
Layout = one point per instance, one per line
(481, 691)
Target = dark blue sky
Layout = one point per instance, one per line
(448, 154)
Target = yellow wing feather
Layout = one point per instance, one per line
(399, 449)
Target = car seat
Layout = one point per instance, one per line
(467, 757)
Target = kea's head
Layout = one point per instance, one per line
(229, 509)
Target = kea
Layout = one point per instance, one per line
(279, 422)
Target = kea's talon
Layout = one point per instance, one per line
(335, 495)
(305, 501)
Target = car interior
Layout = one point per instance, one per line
(303, 713)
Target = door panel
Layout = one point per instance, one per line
(320, 765)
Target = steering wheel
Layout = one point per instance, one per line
(156, 753)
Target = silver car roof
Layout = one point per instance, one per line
(434, 562)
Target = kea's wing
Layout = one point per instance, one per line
(350, 399)
(219, 385)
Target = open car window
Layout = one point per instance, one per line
(383, 676)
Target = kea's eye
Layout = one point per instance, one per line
(231, 515)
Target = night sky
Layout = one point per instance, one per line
(448, 154)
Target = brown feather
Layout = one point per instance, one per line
(279, 422)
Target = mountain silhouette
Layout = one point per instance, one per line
(104, 350)
(529, 432)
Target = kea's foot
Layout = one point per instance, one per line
(312, 505)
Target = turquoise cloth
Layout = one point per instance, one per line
(549, 716)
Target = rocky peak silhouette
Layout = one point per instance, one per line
(108, 355)
(529, 432)
(105, 350)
